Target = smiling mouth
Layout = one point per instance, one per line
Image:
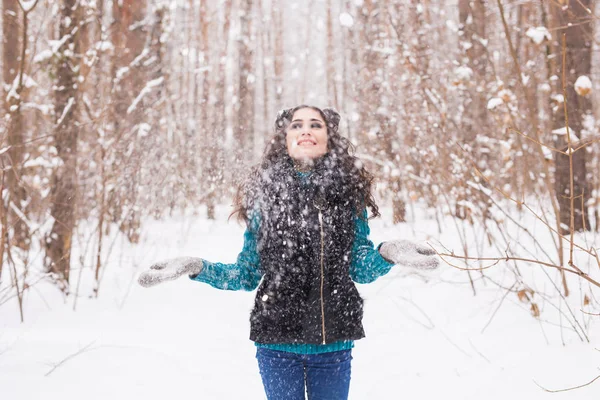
(307, 142)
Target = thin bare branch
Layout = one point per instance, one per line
(567, 389)
(71, 356)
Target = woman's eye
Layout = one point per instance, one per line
(295, 126)
(316, 126)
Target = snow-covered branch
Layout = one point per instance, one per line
(147, 89)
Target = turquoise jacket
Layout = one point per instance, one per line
(245, 274)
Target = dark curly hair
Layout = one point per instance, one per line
(337, 145)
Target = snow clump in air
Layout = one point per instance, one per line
(463, 73)
(494, 102)
(104, 45)
(583, 85)
(346, 20)
(545, 87)
(538, 34)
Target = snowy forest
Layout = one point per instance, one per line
(479, 119)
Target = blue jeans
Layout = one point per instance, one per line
(285, 375)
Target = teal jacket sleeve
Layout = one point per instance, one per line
(244, 274)
(367, 264)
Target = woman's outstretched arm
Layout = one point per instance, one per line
(367, 264)
(244, 274)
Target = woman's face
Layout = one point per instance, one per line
(306, 136)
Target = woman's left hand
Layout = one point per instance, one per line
(410, 254)
(169, 270)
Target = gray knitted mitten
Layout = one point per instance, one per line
(169, 270)
(409, 253)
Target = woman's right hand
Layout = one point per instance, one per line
(169, 270)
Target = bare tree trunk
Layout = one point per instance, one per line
(277, 18)
(4, 222)
(300, 94)
(11, 39)
(129, 38)
(332, 93)
(266, 52)
(219, 122)
(579, 39)
(116, 120)
(100, 94)
(64, 181)
(244, 132)
(474, 122)
(367, 84)
(196, 104)
(207, 131)
(13, 64)
(473, 25)
(389, 134)
(351, 74)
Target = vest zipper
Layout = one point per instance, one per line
(322, 276)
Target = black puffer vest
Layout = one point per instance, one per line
(304, 243)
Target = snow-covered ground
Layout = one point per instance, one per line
(428, 337)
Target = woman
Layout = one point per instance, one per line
(306, 243)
